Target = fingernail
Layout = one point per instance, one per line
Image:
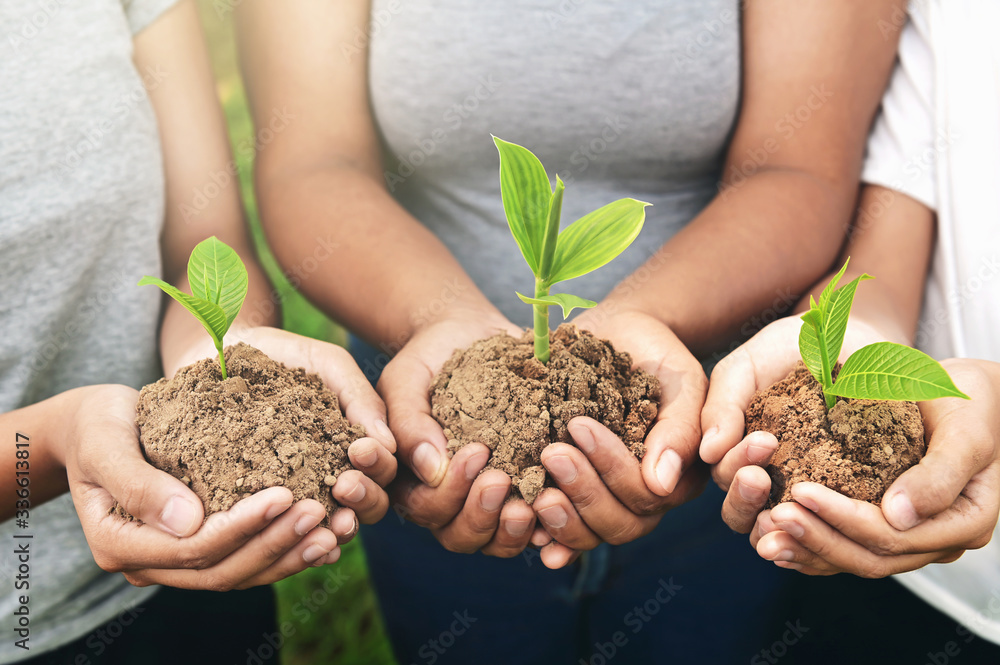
(356, 494)
(368, 455)
(584, 440)
(793, 529)
(562, 468)
(900, 512)
(179, 516)
(757, 453)
(492, 498)
(307, 523)
(668, 470)
(314, 552)
(750, 494)
(276, 510)
(517, 528)
(475, 464)
(428, 464)
(382, 429)
(806, 502)
(710, 435)
(332, 557)
(554, 516)
(784, 555)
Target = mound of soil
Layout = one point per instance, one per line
(858, 448)
(495, 392)
(266, 425)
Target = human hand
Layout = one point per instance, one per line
(359, 490)
(604, 493)
(933, 512)
(260, 540)
(465, 510)
(737, 460)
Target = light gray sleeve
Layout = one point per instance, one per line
(902, 149)
(140, 13)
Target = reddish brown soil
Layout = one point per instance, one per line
(496, 392)
(266, 425)
(858, 449)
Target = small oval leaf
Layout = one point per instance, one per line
(526, 194)
(217, 274)
(890, 371)
(566, 301)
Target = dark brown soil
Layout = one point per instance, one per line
(858, 449)
(266, 425)
(495, 392)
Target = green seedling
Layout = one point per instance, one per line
(533, 210)
(884, 370)
(218, 281)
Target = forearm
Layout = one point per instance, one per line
(358, 255)
(31, 438)
(758, 246)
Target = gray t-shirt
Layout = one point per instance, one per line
(81, 209)
(619, 98)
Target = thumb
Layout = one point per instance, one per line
(109, 458)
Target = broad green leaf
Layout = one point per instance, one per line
(809, 345)
(835, 319)
(824, 298)
(597, 238)
(217, 274)
(212, 317)
(892, 371)
(526, 195)
(566, 301)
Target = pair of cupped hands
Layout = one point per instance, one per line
(934, 512)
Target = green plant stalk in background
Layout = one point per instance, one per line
(533, 211)
(884, 370)
(219, 283)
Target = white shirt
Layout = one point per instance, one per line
(937, 140)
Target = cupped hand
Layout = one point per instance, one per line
(934, 512)
(737, 460)
(361, 490)
(604, 493)
(260, 540)
(465, 510)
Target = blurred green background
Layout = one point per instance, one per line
(332, 609)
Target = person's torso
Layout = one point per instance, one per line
(620, 99)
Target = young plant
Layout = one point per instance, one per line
(533, 211)
(218, 281)
(883, 370)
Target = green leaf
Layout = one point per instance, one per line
(893, 372)
(597, 238)
(526, 195)
(217, 274)
(835, 319)
(567, 301)
(212, 316)
(824, 298)
(812, 357)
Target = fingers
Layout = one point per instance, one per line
(516, 522)
(475, 525)
(589, 494)
(962, 441)
(434, 507)
(672, 443)
(373, 459)
(559, 518)
(290, 544)
(730, 391)
(362, 495)
(555, 555)
(755, 449)
(108, 457)
(746, 497)
(422, 444)
(344, 524)
(119, 545)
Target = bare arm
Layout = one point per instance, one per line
(813, 77)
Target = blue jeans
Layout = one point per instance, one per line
(691, 591)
